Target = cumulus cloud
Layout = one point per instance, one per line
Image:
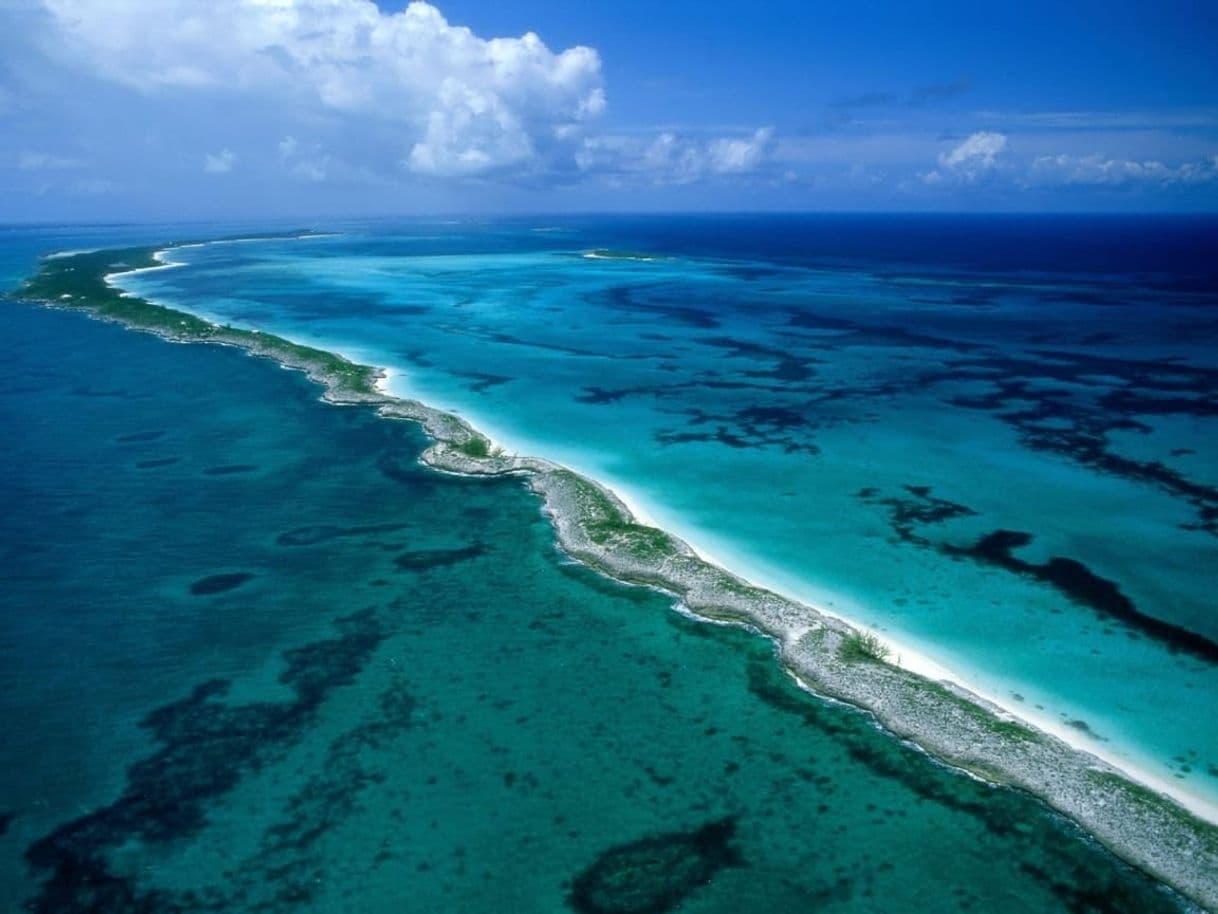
(344, 96)
(979, 151)
(460, 104)
(969, 160)
(669, 158)
(728, 156)
(220, 163)
(1097, 170)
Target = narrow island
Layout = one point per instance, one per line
(824, 654)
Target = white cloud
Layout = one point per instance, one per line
(980, 149)
(669, 158)
(459, 104)
(969, 160)
(220, 163)
(737, 156)
(1096, 170)
(471, 132)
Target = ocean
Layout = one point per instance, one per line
(257, 658)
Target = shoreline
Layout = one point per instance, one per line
(905, 655)
(1136, 815)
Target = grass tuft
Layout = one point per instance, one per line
(862, 646)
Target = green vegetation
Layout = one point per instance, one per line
(79, 281)
(641, 542)
(865, 646)
(606, 526)
(1008, 729)
(1146, 799)
(609, 528)
(815, 638)
(475, 446)
(726, 583)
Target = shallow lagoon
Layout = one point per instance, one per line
(331, 680)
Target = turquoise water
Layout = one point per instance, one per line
(850, 411)
(255, 658)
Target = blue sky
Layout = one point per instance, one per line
(163, 109)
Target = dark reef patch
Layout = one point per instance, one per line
(856, 333)
(749, 427)
(906, 514)
(787, 370)
(229, 469)
(6, 819)
(601, 395)
(1080, 584)
(1070, 577)
(606, 585)
(721, 435)
(321, 533)
(482, 381)
(206, 746)
(708, 381)
(787, 366)
(655, 874)
(1094, 395)
(509, 339)
(218, 583)
(651, 300)
(325, 800)
(135, 437)
(399, 310)
(158, 462)
(424, 559)
(1130, 402)
(416, 357)
(773, 416)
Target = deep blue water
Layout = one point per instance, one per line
(254, 657)
(991, 439)
(1181, 248)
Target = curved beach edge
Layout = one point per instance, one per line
(823, 653)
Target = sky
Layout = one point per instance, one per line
(198, 109)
